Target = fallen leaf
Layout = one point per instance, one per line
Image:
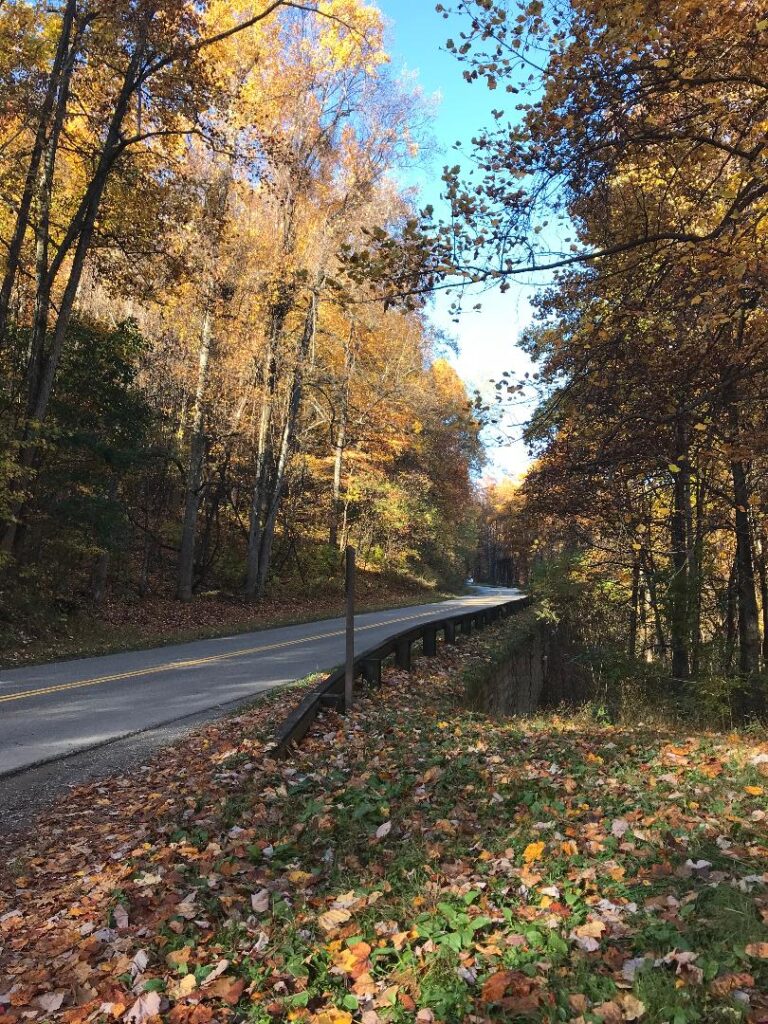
(227, 989)
(260, 901)
(146, 1006)
(50, 1002)
(182, 988)
(218, 970)
(331, 919)
(533, 851)
(609, 1012)
(383, 830)
(332, 1016)
(727, 983)
(631, 1007)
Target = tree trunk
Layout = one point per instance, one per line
(762, 568)
(63, 58)
(42, 369)
(263, 447)
(196, 460)
(679, 585)
(44, 202)
(337, 507)
(287, 445)
(634, 611)
(730, 618)
(749, 628)
(748, 616)
(101, 568)
(697, 578)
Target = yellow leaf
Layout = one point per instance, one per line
(332, 1016)
(758, 950)
(754, 790)
(344, 962)
(178, 956)
(299, 877)
(183, 988)
(632, 1008)
(533, 851)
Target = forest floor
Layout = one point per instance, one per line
(413, 862)
(123, 623)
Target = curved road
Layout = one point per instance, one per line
(48, 712)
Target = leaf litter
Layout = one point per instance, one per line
(414, 862)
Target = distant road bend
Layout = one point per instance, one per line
(51, 711)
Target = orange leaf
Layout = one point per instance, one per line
(495, 986)
(533, 851)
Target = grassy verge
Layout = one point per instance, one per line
(415, 861)
(161, 620)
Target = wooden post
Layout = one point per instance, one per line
(372, 671)
(430, 641)
(349, 676)
(403, 654)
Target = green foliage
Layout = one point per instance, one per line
(98, 435)
(585, 607)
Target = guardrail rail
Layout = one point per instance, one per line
(368, 665)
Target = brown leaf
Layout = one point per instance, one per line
(610, 1013)
(495, 986)
(331, 919)
(727, 983)
(227, 989)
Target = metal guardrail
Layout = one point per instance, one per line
(330, 692)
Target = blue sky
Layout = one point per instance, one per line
(486, 339)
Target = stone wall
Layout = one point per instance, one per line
(533, 666)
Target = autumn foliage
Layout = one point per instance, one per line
(195, 391)
(633, 170)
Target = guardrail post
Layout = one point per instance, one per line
(372, 671)
(450, 632)
(349, 675)
(466, 625)
(403, 654)
(430, 641)
(332, 700)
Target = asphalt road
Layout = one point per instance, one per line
(49, 712)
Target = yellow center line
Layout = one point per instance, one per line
(198, 662)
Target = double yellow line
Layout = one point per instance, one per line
(212, 659)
